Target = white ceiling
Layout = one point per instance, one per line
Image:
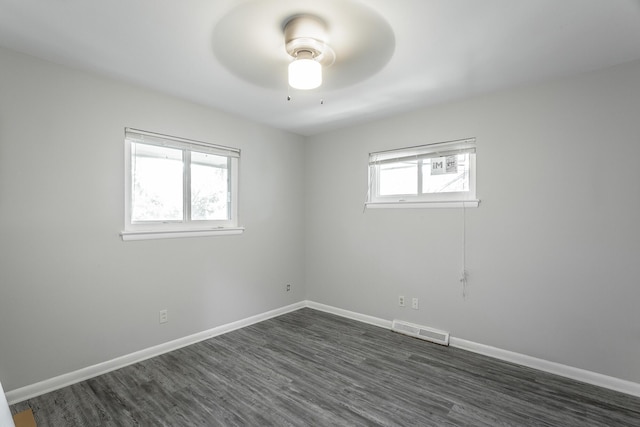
(438, 50)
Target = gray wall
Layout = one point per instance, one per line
(72, 293)
(553, 251)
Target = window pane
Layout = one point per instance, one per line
(399, 178)
(156, 183)
(209, 187)
(445, 174)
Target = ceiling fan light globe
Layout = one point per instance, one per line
(305, 74)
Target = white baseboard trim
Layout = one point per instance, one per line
(46, 386)
(376, 321)
(566, 371)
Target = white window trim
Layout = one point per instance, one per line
(150, 235)
(423, 201)
(169, 229)
(423, 205)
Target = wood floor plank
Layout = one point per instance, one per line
(317, 369)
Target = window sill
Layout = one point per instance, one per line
(423, 205)
(174, 234)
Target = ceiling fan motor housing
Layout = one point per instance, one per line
(307, 33)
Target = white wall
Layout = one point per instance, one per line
(553, 251)
(72, 293)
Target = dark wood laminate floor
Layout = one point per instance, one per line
(309, 368)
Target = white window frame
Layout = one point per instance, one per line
(144, 230)
(428, 200)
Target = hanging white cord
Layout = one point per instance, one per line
(463, 276)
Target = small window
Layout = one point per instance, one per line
(434, 175)
(177, 187)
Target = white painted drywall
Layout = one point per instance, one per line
(553, 251)
(72, 293)
(6, 420)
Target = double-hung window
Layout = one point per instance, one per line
(175, 187)
(434, 175)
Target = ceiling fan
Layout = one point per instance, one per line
(335, 43)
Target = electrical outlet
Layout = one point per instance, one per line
(414, 303)
(288, 288)
(401, 300)
(164, 316)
